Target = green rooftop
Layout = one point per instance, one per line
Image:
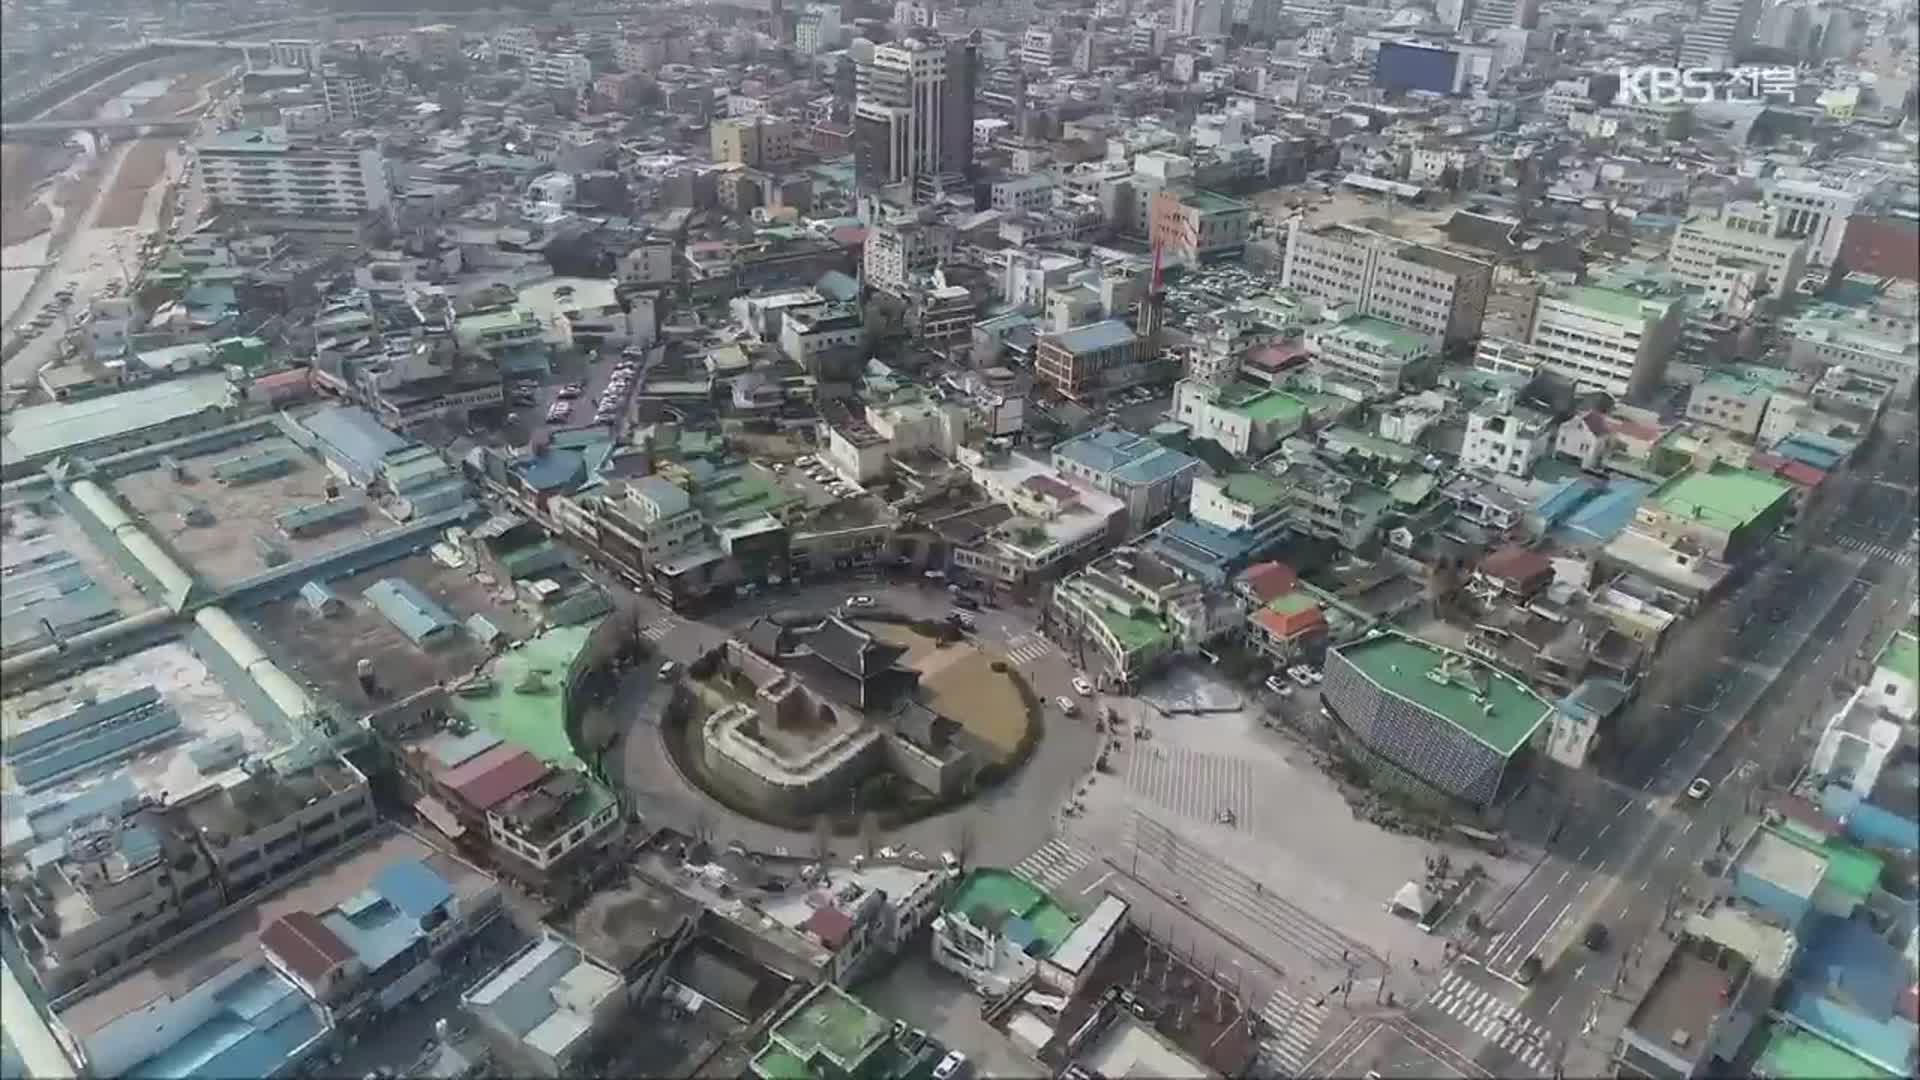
(532, 720)
(1134, 632)
(829, 1024)
(1293, 603)
(777, 1064)
(1273, 405)
(1722, 496)
(1212, 202)
(1795, 1054)
(1902, 656)
(1385, 333)
(1444, 682)
(1257, 489)
(1852, 870)
(1615, 303)
(987, 894)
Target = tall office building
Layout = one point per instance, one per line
(1199, 18)
(1720, 33)
(1503, 14)
(913, 110)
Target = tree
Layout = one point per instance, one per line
(822, 837)
(1450, 179)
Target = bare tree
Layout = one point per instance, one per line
(870, 832)
(822, 837)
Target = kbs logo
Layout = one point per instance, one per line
(1693, 86)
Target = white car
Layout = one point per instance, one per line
(951, 1067)
(1274, 684)
(1699, 789)
(1082, 687)
(1300, 675)
(1066, 705)
(859, 601)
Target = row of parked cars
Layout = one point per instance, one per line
(605, 411)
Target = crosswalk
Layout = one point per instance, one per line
(1902, 556)
(1291, 1028)
(1029, 648)
(1489, 1016)
(1205, 787)
(1053, 864)
(659, 629)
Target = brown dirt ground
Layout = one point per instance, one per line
(960, 683)
(145, 163)
(23, 166)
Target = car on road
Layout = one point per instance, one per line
(951, 1067)
(1067, 707)
(1699, 789)
(861, 601)
(668, 668)
(1595, 938)
(1082, 686)
(962, 600)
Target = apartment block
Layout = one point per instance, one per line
(1194, 226)
(1746, 233)
(1375, 353)
(1615, 340)
(263, 170)
(754, 141)
(1427, 289)
(564, 72)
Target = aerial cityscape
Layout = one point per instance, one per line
(815, 540)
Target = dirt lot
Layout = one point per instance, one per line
(23, 166)
(144, 165)
(960, 683)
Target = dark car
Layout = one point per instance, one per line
(965, 602)
(1596, 938)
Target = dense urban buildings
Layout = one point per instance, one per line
(1268, 538)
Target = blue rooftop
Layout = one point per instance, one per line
(260, 1027)
(1130, 457)
(1846, 986)
(412, 887)
(1207, 553)
(1563, 499)
(1602, 517)
(1095, 336)
(1813, 449)
(554, 470)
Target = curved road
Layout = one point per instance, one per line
(1032, 796)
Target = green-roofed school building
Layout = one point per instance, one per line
(1727, 512)
(1443, 717)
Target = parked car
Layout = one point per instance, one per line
(951, 1067)
(860, 601)
(1082, 687)
(1284, 689)
(571, 391)
(1066, 705)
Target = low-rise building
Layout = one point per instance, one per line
(1377, 354)
(1153, 480)
(1506, 438)
(1051, 524)
(1693, 1018)
(1245, 418)
(547, 1007)
(1190, 227)
(1093, 360)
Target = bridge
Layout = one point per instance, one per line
(103, 125)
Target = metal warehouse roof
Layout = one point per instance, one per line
(66, 426)
(353, 438)
(413, 612)
(1095, 337)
